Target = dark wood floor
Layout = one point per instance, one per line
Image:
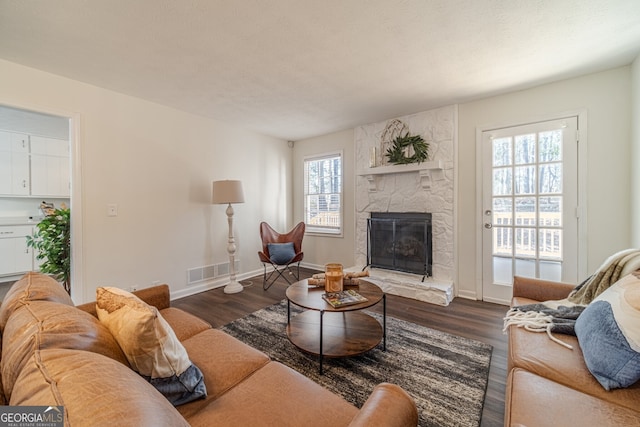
(472, 319)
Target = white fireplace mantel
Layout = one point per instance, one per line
(428, 171)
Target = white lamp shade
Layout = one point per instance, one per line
(227, 191)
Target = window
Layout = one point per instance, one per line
(323, 193)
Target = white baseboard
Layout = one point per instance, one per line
(213, 284)
(467, 294)
(312, 266)
(497, 301)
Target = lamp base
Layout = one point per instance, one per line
(233, 288)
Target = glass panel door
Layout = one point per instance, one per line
(530, 200)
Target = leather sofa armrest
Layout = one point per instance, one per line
(540, 290)
(157, 296)
(387, 406)
(89, 307)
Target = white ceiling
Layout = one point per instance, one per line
(300, 68)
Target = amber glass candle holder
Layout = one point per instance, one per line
(334, 277)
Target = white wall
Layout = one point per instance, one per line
(318, 249)
(157, 164)
(635, 154)
(606, 98)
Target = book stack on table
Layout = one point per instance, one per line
(343, 298)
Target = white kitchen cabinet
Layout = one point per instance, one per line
(14, 164)
(50, 175)
(49, 146)
(15, 256)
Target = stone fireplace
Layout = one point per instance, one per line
(427, 187)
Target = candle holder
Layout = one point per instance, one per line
(334, 277)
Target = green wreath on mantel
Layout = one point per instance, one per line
(397, 153)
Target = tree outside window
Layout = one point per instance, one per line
(323, 193)
(527, 190)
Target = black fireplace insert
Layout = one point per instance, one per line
(400, 241)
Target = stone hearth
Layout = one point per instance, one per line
(410, 285)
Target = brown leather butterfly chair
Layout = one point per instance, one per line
(280, 251)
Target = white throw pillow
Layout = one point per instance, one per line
(608, 331)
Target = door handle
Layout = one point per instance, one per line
(488, 225)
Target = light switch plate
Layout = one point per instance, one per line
(112, 209)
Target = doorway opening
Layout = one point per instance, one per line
(39, 162)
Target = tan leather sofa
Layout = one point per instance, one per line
(550, 385)
(56, 354)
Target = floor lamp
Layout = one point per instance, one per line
(228, 192)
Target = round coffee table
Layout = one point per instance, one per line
(325, 331)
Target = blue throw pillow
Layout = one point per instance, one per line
(608, 331)
(281, 253)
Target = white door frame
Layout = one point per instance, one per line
(77, 263)
(582, 191)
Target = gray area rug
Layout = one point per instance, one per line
(445, 374)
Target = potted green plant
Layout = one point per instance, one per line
(52, 243)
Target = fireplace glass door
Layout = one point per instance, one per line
(400, 241)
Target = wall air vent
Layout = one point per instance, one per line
(200, 274)
(209, 272)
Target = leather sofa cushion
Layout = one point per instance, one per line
(536, 401)
(276, 396)
(185, 325)
(224, 361)
(94, 390)
(38, 325)
(32, 287)
(536, 353)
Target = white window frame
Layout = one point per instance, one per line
(322, 229)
